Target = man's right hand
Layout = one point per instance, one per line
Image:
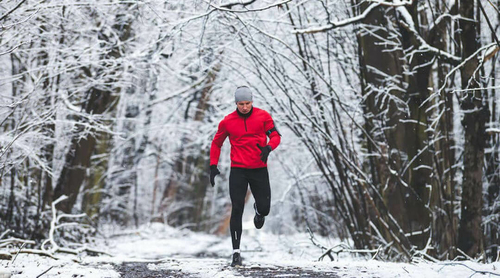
(213, 172)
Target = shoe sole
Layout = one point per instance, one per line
(258, 227)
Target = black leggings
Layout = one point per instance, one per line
(239, 179)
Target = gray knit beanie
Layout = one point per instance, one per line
(243, 93)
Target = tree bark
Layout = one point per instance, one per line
(188, 183)
(98, 101)
(443, 200)
(476, 114)
(397, 121)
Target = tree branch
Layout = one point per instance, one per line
(223, 8)
(489, 23)
(409, 25)
(352, 20)
(11, 11)
(450, 73)
(333, 25)
(244, 4)
(4, 233)
(476, 271)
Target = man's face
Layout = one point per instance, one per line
(244, 106)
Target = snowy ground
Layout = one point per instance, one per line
(161, 251)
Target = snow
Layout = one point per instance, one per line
(163, 248)
(29, 265)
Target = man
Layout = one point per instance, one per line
(247, 128)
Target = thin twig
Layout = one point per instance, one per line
(4, 233)
(11, 11)
(489, 23)
(21, 248)
(44, 272)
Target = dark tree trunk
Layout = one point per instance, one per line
(96, 182)
(77, 161)
(99, 101)
(443, 200)
(476, 114)
(399, 131)
(492, 240)
(13, 213)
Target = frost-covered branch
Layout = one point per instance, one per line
(459, 66)
(444, 16)
(493, 130)
(483, 272)
(316, 243)
(55, 248)
(12, 10)
(409, 25)
(228, 9)
(4, 233)
(238, 3)
(13, 240)
(341, 23)
(354, 19)
(337, 249)
(343, 248)
(14, 48)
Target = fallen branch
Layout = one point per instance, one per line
(37, 252)
(54, 247)
(313, 240)
(339, 248)
(483, 272)
(6, 242)
(5, 255)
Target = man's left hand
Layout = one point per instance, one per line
(264, 152)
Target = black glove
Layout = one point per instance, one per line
(264, 152)
(213, 172)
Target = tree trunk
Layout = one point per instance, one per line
(186, 189)
(96, 182)
(476, 114)
(98, 101)
(397, 121)
(77, 161)
(492, 239)
(443, 199)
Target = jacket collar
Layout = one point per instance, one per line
(244, 115)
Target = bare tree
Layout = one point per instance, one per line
(97, 100)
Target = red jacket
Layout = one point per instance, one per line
(244, 135)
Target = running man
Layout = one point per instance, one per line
(247, 128)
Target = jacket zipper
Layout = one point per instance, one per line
(245, 120)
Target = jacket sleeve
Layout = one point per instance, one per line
(217, 142)
(272, 132)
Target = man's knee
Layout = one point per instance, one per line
(263, 209)
(237, 211)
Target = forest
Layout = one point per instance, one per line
(388, 113)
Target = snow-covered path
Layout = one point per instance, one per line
(206, 267)
(161, 251)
